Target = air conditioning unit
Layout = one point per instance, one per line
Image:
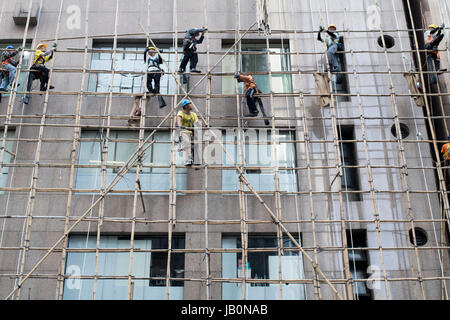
(21, 13)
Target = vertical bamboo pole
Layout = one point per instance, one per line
(173, 191)
(306, 136)
(75, 145)
(105, 149)
(339, 166)
(275, 145)
(208, 117)
(241, 156)
(35, 174)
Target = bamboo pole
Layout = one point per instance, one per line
(339, 167)
(208, 118)
(244, 182)
(35, 173)
(75, 145)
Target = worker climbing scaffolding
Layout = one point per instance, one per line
(251, 88)
(333, 42)
(190, 41)
(433, 37)
(186, 120)
(38, 70)
(445, 150)
(154, 60)
(8, 67)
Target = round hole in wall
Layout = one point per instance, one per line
(390, 42)
(404, 130)
(421, 236)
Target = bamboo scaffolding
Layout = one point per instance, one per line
(208, 118)
(338, 152)
(35, 173)
(245, 191)
(241, 160)
(221, 31)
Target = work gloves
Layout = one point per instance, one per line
(321, 28)
(237, 75)
(54, 45)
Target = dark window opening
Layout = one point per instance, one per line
(421, 236)
(388, 40)
(158, 266)
(359, 263)
(350, 175)
(404, 130)
(341, 84)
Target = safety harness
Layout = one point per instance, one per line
(154, 62)
(7, 61)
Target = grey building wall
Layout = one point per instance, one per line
(392, 238)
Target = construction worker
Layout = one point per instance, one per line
(251, 89)
(190, 41)
(8, 67)
(186, 119)
(42, 55)
(445, 150)
(154, 60)
(332, 41)
(433, 37)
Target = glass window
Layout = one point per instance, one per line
(117, 264)
(262, 265)
(122, 145)
(25, 62)
(130, 83)
(259, 63)
(7, 157)
(258, 153)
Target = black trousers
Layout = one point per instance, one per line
(434, 63)
(251, 101)
(156, 77)
(42, 75)
(189, 55)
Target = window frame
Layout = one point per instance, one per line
(290, 160)
(149, 172)
(168, 85)
(262, 80)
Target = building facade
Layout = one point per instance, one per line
(358, 173)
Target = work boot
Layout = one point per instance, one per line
(267, 122)
(252, 114)
(3, 90)
(195, 71)
(180, 70)
(161, 101)
(26, 99)
(189, 162)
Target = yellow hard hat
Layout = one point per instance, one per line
(432, 26)
(151, 48)
(332, 26)
(42, 45)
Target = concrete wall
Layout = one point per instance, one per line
(392, 260)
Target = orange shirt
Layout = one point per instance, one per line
(445, 149)
(249, 82)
